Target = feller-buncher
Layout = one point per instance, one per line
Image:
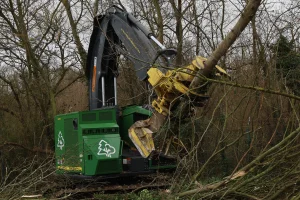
(108, 140)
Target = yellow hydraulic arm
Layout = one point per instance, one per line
(169, 87)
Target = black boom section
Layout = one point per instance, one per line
(113, 34)
(139, 48)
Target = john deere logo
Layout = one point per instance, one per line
(106, 149)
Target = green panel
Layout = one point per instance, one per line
(89, 117)
(106, 116)
(97, 131)
(99, 125)
(100, 128)
(135, 109)
(102, 154)
(71, 143)
(67, 144)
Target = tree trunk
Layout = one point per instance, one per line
(179, 30)
(223, 47)
(81, 51)
(160, 24)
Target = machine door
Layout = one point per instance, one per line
(102, 154)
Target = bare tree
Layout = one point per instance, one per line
(36, 59)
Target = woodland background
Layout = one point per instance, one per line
(248, 131)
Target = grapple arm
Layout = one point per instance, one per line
(169, 88)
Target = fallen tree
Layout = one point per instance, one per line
(274, 174)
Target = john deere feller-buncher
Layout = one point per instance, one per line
(110, 140)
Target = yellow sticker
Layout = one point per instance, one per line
(130, 40)
(69, 168)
